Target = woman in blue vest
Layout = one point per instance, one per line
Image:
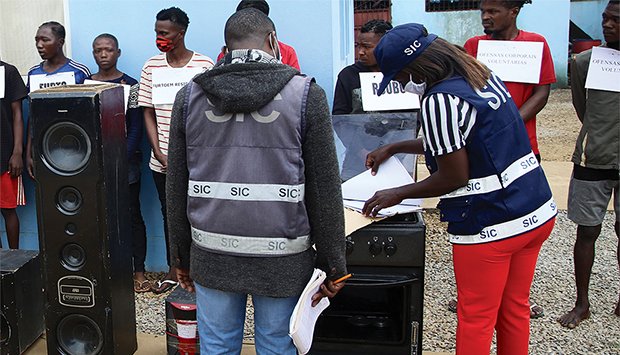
(494, 195)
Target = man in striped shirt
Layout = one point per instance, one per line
(170, 27)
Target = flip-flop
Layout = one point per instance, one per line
(141, 286)
(164, 286)
(536, 311)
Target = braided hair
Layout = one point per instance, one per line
(57, 29)
(379, 27)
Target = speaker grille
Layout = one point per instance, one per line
(66, 148)
(78, 334)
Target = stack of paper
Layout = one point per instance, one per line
(303, 319)
(357, 190)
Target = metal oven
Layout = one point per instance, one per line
(380, 310)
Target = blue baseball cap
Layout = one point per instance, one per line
(398, 47)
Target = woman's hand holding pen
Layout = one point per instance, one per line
(329, 289)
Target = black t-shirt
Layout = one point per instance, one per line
(14, 90)
(348, 95)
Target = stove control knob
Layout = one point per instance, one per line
(390, 248)
(350, 245)
(375, 247)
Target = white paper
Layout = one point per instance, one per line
(604, 70)
(393, 98)
(168, 81)
(384, 212)
(391, 173)
(125, 89)
(514, 61)
(186, 329)
(44, 81)
(304, 316)
(2, 82)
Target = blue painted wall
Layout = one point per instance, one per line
(548, 18)
(321, 31)
(587, 15)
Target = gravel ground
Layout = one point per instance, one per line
(554, 282)
(553, 289)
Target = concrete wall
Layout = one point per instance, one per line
(549, 18)
(321, 31)
(19, 22)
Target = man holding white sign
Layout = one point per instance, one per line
(12, 92)
(162, 76)
(596, 157)
(499, 19)
(356, 93)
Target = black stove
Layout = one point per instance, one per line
(380, 309)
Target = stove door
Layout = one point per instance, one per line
(378, 311)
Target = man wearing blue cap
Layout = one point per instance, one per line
(494, 195)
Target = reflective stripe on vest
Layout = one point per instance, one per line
(511, 228)
(519, 168)
(250, 246)
(491, 183)
(246, 192)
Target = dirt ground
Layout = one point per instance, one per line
(557, 127)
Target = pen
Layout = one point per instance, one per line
(342, 278)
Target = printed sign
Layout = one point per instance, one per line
(604, 70)
(125, 89)
(514, 61)
(393, 98)
(44, 81)
(2, 80)
(168, 81)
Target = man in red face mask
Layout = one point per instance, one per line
(170, 28)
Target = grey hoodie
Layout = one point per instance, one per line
(246, 87)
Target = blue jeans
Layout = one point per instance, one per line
(221, 316)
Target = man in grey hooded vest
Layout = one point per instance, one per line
(252, 159)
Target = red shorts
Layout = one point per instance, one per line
(11, 191)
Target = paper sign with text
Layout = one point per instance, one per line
(125, 89)
(168, 81)
(393, 98)
(514, 61)
(44, 81)
(2, 82)
(604, 70)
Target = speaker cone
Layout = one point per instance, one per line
(78, 334)
(73, 257)
(69, 200)
(66, 148)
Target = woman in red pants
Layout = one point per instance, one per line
(494, 195)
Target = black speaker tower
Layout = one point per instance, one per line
(80, 166)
